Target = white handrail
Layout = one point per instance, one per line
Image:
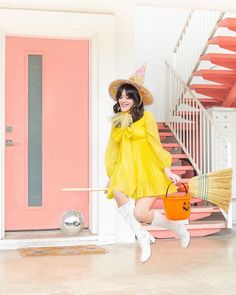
(207, 149)
(192, 43)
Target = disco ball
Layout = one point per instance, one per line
(72, 222)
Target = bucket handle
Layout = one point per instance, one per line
(171, 184)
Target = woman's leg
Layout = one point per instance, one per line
(126, 209)
(144, 213)
(120, 198)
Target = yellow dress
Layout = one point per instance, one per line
(135, 160)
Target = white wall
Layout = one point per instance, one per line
(106, 6)
(156, 33)
(200, 4)
(116, 40)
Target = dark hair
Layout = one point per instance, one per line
(132, 92)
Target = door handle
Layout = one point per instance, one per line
(10, 142)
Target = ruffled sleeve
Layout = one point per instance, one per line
(163, 157)
(111, 154)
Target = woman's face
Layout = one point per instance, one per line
(125, 102)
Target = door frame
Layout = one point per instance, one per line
(100, 33)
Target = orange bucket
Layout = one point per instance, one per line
(177, 207)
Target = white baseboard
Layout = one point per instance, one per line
(11, 244)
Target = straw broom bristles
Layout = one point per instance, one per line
(215, 187)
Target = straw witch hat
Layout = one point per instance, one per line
(136, 80)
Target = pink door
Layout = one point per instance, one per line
(46, 130)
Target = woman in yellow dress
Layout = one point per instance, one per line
(136, 164)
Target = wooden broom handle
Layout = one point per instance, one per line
(99, 189)
(84, 189)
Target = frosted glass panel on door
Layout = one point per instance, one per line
(34, 130)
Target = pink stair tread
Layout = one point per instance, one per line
(221, 59)
(226, 77)
(166, 133)
(209, 102)
(182, 168)
(223, 73)
(163, 135)
(196, 229)
(220, 91)
(210, 86)
(170, 145)
(179, 156)
(229, 22)
(162, 127)
(198, 212)
(225, 56)
(226, 42)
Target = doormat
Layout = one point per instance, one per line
(62, 250)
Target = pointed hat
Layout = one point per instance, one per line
(136, 80)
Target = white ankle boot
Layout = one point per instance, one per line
(144, 237)
(177, 227)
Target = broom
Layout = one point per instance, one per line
(215, 187)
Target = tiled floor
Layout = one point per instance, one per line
(207, 266)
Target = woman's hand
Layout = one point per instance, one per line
(172, 176)
(107, 185)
